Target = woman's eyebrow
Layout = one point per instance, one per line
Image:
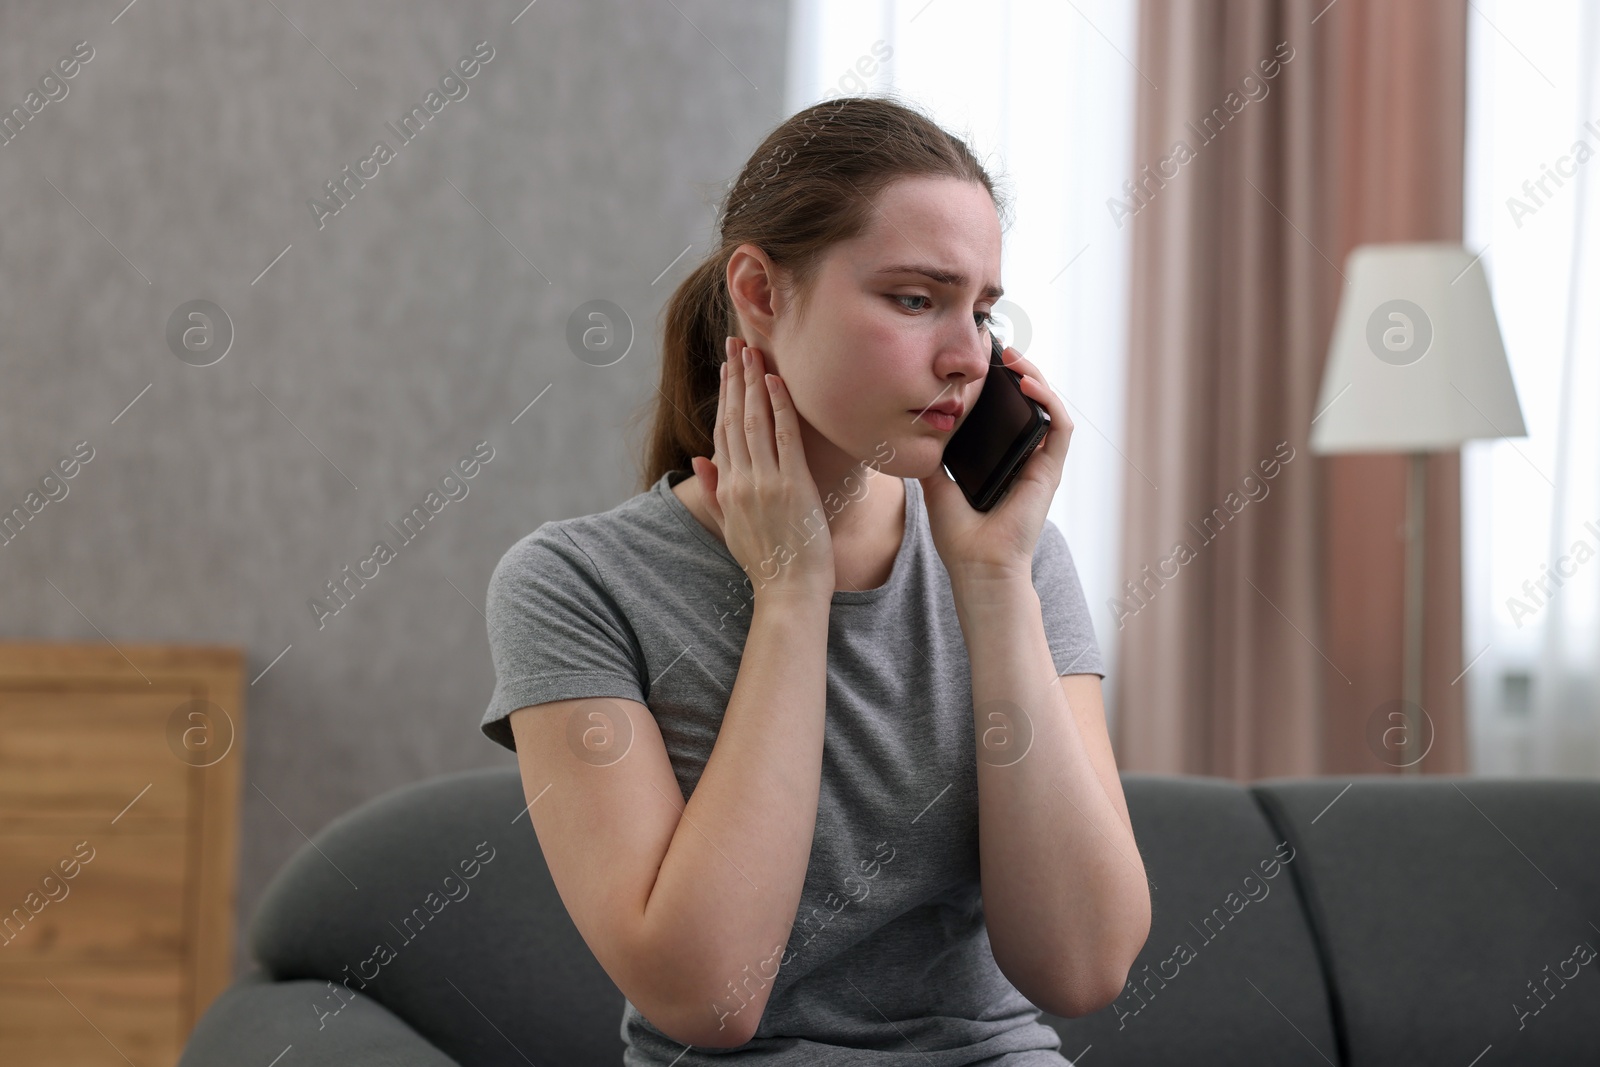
(939, 274)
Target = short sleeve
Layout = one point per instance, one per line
(1067, 625)
(555, 632)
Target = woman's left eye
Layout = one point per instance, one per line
(982, 318)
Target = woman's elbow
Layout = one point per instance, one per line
(1085, 995)
(1094, 989)
(1074, 1000)
(696, 1026)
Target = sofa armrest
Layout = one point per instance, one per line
(256, 1020)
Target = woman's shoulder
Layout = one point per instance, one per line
(639, 531)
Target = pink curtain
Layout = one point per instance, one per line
(1261, 614)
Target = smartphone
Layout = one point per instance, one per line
(987, 451)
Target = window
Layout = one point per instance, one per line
(1533, 695)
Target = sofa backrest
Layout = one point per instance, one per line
(1457, 916)
(1230, 972)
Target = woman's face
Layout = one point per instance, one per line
(881, 340)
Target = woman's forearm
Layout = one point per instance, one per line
(1064, 891)
(730, 884)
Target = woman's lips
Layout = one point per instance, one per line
(939, 420)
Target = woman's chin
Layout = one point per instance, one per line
(921, 457)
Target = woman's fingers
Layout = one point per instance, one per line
(785, 426)
(719, 438)
(758, 412)
(1014, 359)
(733, 434)
(1024, 367)
(766, 499)
(709, 472)
(1036, 387)
(719, 441)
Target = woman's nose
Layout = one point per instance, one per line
(974, 360)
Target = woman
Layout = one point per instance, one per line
(782, 721)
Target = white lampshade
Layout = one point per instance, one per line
(1416, 363)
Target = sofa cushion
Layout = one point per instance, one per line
(434, 901)
(1230, 973)
(1457, 914)
(259, 1021)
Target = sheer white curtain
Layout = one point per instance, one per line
(1044, 92)
(1531, 505)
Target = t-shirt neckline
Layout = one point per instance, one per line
(897, 573)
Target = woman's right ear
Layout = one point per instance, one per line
(706, 471)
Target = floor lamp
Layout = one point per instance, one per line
(1416, 366)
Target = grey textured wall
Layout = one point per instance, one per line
(373, 355)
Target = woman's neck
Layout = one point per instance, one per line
(866, 515)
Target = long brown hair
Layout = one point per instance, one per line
(811, 183)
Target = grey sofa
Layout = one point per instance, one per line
(1364, 921)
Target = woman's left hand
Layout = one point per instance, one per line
(999, 543)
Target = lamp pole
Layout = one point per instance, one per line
(1411, 678)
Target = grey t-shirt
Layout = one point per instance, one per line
(888, 960)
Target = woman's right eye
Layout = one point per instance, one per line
(910, 296)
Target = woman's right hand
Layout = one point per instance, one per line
(758, 487)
